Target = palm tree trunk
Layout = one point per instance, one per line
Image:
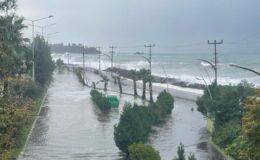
(151, 91)
(105, 87)
(119, 84)
(144, 90)
(135, 89)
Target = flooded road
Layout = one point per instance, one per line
(186, 127)
(71, 127)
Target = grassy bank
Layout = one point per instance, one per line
(27, 129)
(210, 128)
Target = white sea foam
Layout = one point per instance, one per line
(204, 64)
(186, 73)
(189, 90)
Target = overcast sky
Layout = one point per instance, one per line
(173, 25)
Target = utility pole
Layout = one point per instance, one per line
(150, 66)
(68, 58)
(83, 55)
(112, 55)
(215, 43)
(33, 45)
(99, 55)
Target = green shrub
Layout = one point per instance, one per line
(15, 114)
(225, 108)
(247, 144)
(136, 122)
(31, 90)
(59, 62)
(226, 102)
(166, 102)
(181, 154)
(134, 126)
(25, 89)
(101, 101)
(43, 63)
(141, 151)
(225, 134)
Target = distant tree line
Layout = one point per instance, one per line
(72, 48)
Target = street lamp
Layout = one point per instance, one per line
(203, 79)
(111, 59)
(149, 60)
(33, 21)
(43, 27)
(68, 54)
(166, 75)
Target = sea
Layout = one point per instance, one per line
(185, 66)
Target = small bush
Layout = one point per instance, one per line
(78, 72)
(181, 154)
(162, 107)
(226, 102)
(141, 151)
(136, 122)
(25, 89)
(225, 134)
(31, 90)
(134, 126)
(59, 62)
(101, 101)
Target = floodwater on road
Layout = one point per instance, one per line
(70, 126)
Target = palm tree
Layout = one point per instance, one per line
(105, 80)
(150, 79)
(144, 75)
(134, 76)
(11, 41)
(119, 84)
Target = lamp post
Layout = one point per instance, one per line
(43, 27)
(149, 60)
(203, 79)
(111, 59)
(68, 54)
(99, 55)
(33, 21)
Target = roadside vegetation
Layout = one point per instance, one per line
(100, 100)
(136, 121)
(140, 151)
(234, 111)
(79, 74)
(20, 97)
(60, 65)
(181, 154)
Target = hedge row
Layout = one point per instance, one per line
(100, 100)
(136, 121)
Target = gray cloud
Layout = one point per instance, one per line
(168, 23)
